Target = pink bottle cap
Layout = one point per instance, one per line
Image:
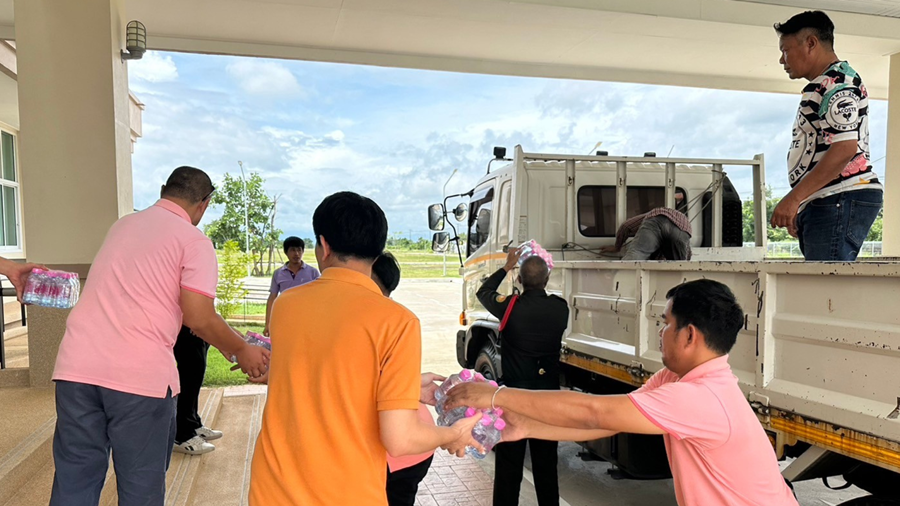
(500, 424)
(479, 376)
(499, 411)
(465, 374)
(36, 271)
(470, 412)
(486, 420)
(493, 383)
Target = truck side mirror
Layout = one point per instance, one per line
(440, 242)
(460, 212)
(436, 217)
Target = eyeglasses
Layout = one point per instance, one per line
(210, 194)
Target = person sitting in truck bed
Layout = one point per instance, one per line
(717, 449)
(661, 234)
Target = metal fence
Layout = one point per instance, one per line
(792, 249)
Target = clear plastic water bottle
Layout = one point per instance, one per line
(33, 287)
(455, 379)
(488, 433)
(76, 288)
(48, 294)
(454, 415)
(255, 339)
(51, 289)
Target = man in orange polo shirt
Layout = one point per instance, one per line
(343, 385)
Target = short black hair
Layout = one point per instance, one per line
(293, 242)
(188, 183)
(712, 308)
(816, 21)
(353, 225)
(534, 273)
(387, 270)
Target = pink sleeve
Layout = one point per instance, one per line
(685, 411)
(199, 268)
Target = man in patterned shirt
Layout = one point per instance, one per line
(661, 234)
(835, 195)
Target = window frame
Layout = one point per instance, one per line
(17, 194)
(682, 207)
(483, 196)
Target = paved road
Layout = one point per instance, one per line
(437, 303)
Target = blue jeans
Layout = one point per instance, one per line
(832, 229)
(91, 421)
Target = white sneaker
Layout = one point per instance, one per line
(208, 434)
(194, 446)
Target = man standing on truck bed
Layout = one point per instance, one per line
(531, 336)
(718, 451)
(660, 234)
(835, 195)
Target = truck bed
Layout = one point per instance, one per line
(818, 358)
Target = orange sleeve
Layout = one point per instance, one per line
(400, 381)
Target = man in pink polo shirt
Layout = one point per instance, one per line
(718, 451)
(115, 373)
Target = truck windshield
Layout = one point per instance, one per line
(480, 208)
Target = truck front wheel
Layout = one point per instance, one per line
(488, 362)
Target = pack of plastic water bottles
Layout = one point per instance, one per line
(488, 430)
(255, 339)
(532, 248)
(57, 289)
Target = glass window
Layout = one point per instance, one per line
(10, 206)
(8, 151)
(504, 210)
(480, 209)
(597, 206)
(9, 193)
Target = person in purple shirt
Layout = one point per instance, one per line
(295, 272)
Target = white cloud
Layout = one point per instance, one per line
(397, 142)
(153, 68)
(261, 77)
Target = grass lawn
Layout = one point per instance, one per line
(218, 373)
(414, 264)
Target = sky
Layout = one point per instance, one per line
(395, 135)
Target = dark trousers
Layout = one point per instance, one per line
(510, 461)
(832, 229)
(91, 421)
(658, 237)
(190, 353)
(403, 485)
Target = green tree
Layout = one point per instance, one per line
(308, 244)
(260, 207)
(774, 234)
(875, 233)
(230, 290)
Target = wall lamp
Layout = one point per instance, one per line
(135, 41)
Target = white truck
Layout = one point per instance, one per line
(819, 355)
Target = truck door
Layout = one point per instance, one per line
(480, 246)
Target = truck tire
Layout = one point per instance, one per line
(488, 362)
(870, 500)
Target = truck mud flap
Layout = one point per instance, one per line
(461, 348)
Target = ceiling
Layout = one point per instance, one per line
(726, 44)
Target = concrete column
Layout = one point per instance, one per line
(891, 238)
(74, 143)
